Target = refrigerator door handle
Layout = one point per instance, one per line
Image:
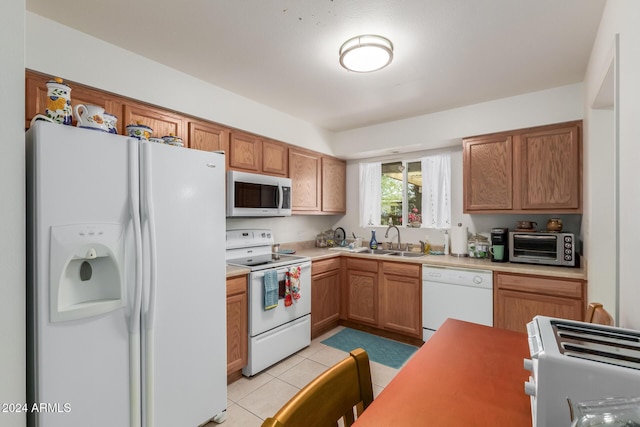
(147, 184)
(134, 315)
(134, 210)
(149, 315)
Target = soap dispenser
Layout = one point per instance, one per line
(373, 243)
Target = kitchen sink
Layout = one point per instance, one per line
(378, 251)
(407, 254)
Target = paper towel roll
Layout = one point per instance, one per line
(459, 241)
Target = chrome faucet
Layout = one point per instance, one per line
(386, 235)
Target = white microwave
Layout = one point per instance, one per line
(255, 195)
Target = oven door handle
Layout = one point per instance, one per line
(260, 274)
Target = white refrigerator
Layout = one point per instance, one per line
(126, 281)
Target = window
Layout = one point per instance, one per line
(401, 193)
(414, 193)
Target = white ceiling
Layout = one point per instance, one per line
(284, 53)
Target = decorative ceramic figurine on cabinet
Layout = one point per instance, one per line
(58, 109)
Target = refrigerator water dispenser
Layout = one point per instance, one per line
(86, 266)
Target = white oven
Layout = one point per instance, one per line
(576, 362)
(274, 333)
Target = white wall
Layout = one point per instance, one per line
(95, 63)
(619, 17)
(12, 212)
(447, 129)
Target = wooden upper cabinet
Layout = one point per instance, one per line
(161, 121)
(252, 153)
(275, 157)
(208, 136)
(487, 173)
(549, 169)
(535, 170)
(36, 99)
(334, 178)
(305, 174)
(245, 152)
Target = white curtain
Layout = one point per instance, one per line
(370, 194)
(436, 191)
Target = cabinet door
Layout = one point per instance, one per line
(518, 298)
(334, 179)
(549, 169)
(209, 137)
(245, 152)
(516, 308)
(362, 297)
(487, 164)
(162, 122)
(400, 301)
(275, 158)
(237, 328)
(325, 301)
(304, 171)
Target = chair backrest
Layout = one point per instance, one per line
(597, 314)
(331, 396)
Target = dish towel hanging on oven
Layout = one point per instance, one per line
(292, 286)
(270, 289)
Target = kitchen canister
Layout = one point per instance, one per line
(478, 246)
(58, 108)
(459, 244)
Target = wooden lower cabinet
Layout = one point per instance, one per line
(237, 327)
(386, 296)
(517, 298)
(401, 298)
(325, 295)
(362, 291)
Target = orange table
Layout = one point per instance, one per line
(465, 375)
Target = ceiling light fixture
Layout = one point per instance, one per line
(366, 53)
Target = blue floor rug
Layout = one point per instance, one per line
(382, 350)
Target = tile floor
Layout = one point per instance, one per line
(251, 400)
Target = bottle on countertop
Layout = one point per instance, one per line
(373, 243)
(446, 242)
(425, 246)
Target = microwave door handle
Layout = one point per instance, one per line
(279, 197)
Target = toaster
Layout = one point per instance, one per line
(574, 362)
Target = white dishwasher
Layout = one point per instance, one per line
(459, 293)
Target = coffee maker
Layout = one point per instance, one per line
(499, 245)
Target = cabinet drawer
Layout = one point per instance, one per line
(322, 266)
(362, 265)
(540, 285)
(401, 269)
(236, 285)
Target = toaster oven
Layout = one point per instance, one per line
(574, 362)
(543, 248)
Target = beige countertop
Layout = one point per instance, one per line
(234, 270)
(317, 254)
(463, 262)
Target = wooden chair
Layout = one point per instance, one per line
(330, 397)
(597, 314)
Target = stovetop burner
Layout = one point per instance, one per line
(268, 261)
